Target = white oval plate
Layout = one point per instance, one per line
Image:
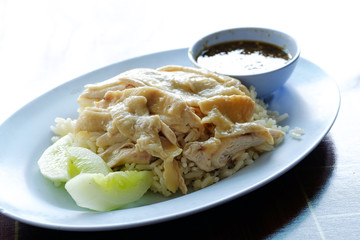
(310, 97)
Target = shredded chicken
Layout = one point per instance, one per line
(143, 114)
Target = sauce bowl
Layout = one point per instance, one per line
(265, 82)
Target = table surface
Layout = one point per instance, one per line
(46, 43)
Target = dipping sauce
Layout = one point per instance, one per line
(243, 57)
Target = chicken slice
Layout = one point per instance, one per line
(216, 152)
(172, 110)
(93, 120)
(237, 108)
(193, 84)
(108, 139)
(121, 153)
(227, 84)
(172, 174)
(96, 92)
(131, 117)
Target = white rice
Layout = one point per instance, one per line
(297, 133)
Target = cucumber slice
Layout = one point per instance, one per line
(101, 192)
(54, 162)
(83, 160)
(60, 162)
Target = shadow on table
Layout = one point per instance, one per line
(256, 215)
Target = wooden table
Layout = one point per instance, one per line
(46, 43)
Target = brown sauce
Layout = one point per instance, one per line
(242, 57)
